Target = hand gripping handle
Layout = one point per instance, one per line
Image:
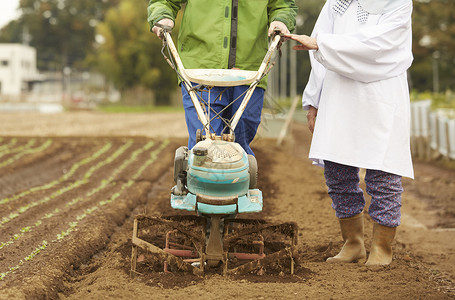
(164, 28)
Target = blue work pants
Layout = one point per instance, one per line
(220, 98)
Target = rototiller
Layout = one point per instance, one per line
(216, 180)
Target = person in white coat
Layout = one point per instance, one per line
(358, 105)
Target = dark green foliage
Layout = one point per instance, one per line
(433, 36)
(62, 31)
(130, 55)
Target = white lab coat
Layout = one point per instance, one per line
(359, 84)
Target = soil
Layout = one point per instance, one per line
(71, 184)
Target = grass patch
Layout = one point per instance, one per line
(440, 100)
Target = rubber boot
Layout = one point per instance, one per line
(381, 247)
(354, 247)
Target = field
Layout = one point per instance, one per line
(70, 185)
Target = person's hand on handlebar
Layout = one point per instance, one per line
(166, 22)
(305, 42)
(278, 25)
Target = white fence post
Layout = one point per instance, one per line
(451, 134)
(420, 128)
(442, 135)
(432, 131)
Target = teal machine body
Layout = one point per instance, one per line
(215, 177)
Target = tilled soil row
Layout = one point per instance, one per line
(71, 227)
(14, 168)
(68, 197)
(54, 164)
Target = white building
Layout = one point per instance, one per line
(18, 70)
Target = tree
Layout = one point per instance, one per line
(62, 31)
(433, 43)
(129, 54)
(11, 33)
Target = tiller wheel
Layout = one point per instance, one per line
(176, 241)
(255, 245)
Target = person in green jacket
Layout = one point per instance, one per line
(224, 34)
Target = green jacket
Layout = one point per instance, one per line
(223, 34)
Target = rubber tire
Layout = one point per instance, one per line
(198, 136)
(253, 170)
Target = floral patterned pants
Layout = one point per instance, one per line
(348, 199)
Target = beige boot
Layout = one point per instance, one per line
(352, 233)
(381, 247)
